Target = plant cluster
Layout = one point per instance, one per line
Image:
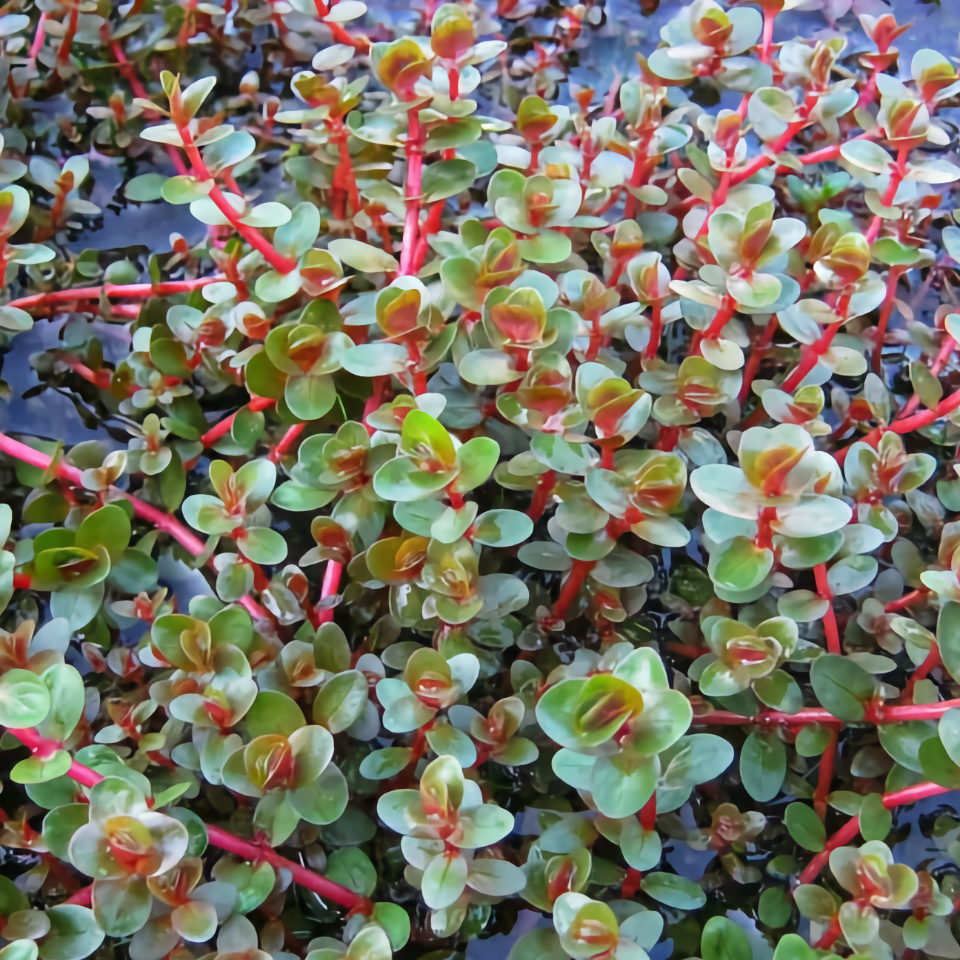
(566, 477)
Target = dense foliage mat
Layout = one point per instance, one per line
(505, 517)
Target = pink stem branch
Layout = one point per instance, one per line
(829, 618)
(874, 714)
(279, 262)
(139, 291)
(850, 829)
(255, 852)
(331, 583)
(162, 521)
(414, 151)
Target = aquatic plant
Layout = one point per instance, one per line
(500, 489)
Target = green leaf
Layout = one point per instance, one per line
(763, 765)
(74, 933)
(443, 880)
(722, 939)
(866, 155)
(310, 397)
(779, 691)
(173, 483)
(386, 763)
(263, 545)
(185, 189)
(341, 701)
(67, 700)
(145, 188)
(446, 178)
(351, 868)
(273, 712)
(395, 922)
(674, 891)
(889, 251)
(300, 232)
(35, 770)
(229, 151)
(842, 686)
(263, 378)
(875, 819)
(475, 461)
(793, 947)
(196, 829)
(775, 907)
(851, 574)
(24, 699)
(805, 827)
(362, 256)
(937, 764)
(61, 823)
(108, 527)
(948, 636)
(198, 91)
(275, 817)
(740, 565)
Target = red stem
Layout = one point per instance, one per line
(38, 37)
(280, 450)
(539, 502)
(345, 172)
(414, 151)
(130, 75)
(829, 619)
(850, 829)
(255, 852)
(830, 937)
(279, 262)
(724, 313)
(825, 776)
(648, 814)
(869, 92)
(419, 377)
(83, 897)
(718, 199)
(595, 336)
(162, 521)
(63, 54)
(656, 330)
(636, 177)
(893, 278)
(138, 291)
(896, 178)
(756, 357)
(943, 355)
(908, 424)
(766, 45)
(930, 662)
(811, 353)
(874, 714)
(914, 596)
(331, 583)
(226, 424)
(571, 587)
(374, 401)
(430, 226)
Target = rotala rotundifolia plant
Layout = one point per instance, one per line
(479, 470)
